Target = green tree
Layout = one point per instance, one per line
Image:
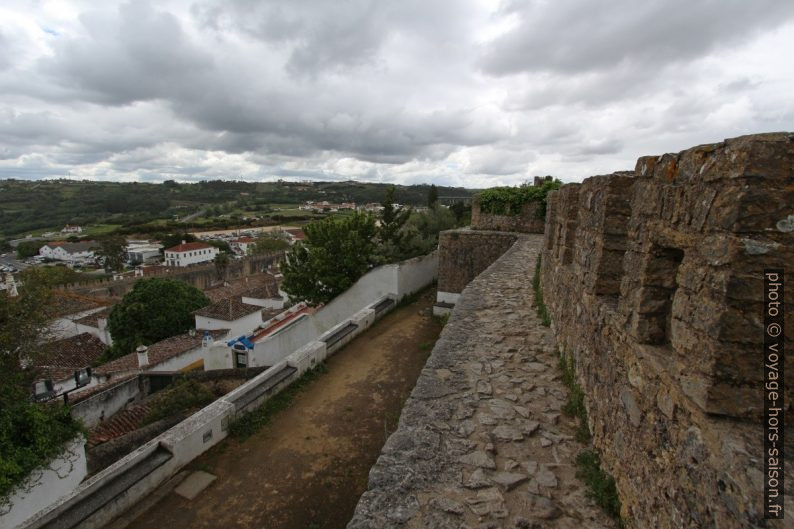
(221, 262)
(31, 435)
(420, 234)
(390, 233)
(29, 248)
(336, 252)
(432, 196)
(111, 252)
(173, 239)
(266, 243)
(223, 246)
(153, 310)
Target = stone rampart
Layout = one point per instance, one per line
(529, 220)
(654, 281)
(463, 254)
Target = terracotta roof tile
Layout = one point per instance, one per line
(70, 354)
(229, 309)
(158, 352)
(242, 287)
(92, 320)
(188, 247)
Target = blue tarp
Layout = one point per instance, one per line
(243, 340)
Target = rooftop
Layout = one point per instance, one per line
(92, 320)
(188, 247)
(229, 309)
(68, 354)
(73, 247)
(158, 352)
(245, 286)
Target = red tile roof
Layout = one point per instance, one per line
(121, 423)
(229, 309)
(92, 320)
(158, 352)
(242, 287)
(298, 234)
(70, 354)
(188, 247)
(246, 240)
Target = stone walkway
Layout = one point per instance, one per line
(482, 441)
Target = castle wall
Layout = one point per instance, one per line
(463, 254)
(654, 280)
(530, 220)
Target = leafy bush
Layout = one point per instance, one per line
(31, 435)
(183, 396)
(508, 200)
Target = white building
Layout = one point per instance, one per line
(138, 252)
(232, 314)
(241, 245)
(190, 253)
(70, 252)
(72, 229)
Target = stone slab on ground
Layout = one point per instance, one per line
(194, 484)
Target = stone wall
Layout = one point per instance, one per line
(200, 276)
(654, 282)
(530, 220)
(463, 254)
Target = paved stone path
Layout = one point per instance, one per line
(482, 441)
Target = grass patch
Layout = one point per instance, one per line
(182, 396)
(601, 485)
(251, 422)
(540, 306)
(575, 406)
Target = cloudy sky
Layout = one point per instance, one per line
(456, 92)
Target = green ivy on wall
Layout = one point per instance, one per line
(508, 200)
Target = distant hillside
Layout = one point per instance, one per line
(28, 206)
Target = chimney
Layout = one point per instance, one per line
(183, 241)
(143, 355)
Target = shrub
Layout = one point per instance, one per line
(508, 200)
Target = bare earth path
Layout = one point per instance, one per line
(309, 466)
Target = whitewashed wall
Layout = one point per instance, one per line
(395, 280)
(106, 403)
(51, 483)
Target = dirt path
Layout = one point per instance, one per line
(309, 466)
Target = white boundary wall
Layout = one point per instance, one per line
(58, 479)
(209, 426)
(395, 281)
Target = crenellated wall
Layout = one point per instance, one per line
(654, 282)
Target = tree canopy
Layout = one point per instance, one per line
(31, 435)
(337, 251)
(153, 310)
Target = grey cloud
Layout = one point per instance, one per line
(572, 36)
(135, 54)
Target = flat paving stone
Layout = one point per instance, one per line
(194, 484)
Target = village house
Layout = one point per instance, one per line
(294, 235)
(190, 253)
(69, 252)
(72, 229)
(242, 245)
(140, 252)
(230, 314)
(184, 352)
(67, 355)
